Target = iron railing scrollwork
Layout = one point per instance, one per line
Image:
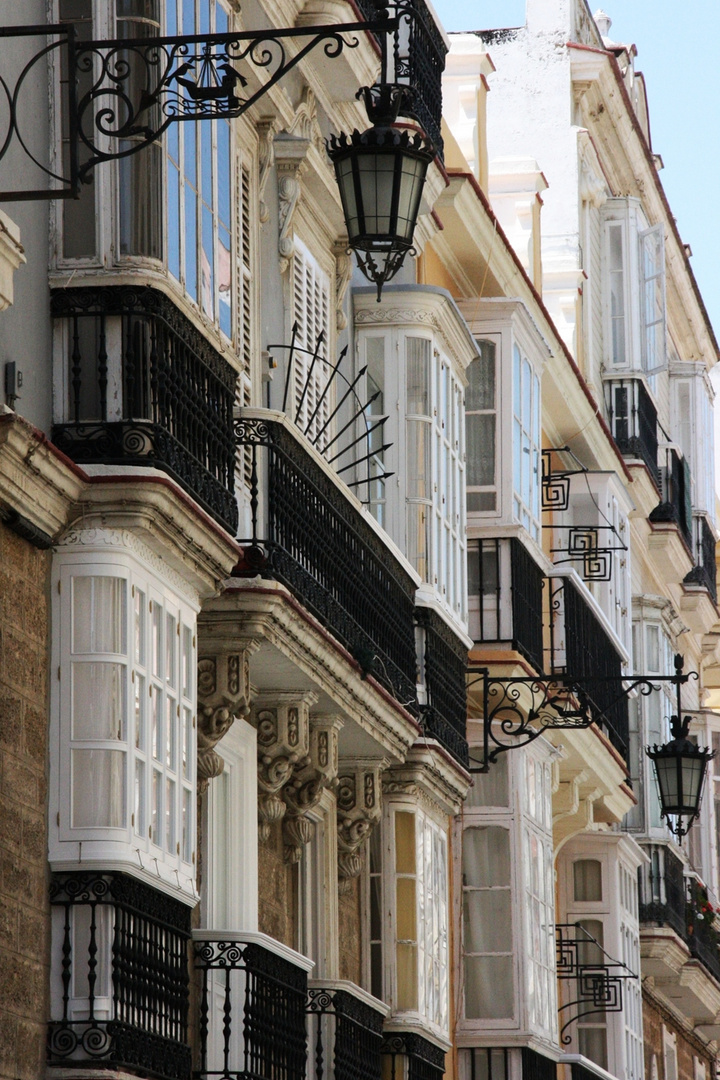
(123, 983)
(347, 1036)
(597, 977)
(252, 1012)
(146, 388)
(320, 547)
(425, 1060)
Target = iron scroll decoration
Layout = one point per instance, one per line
(600, 979)
(516, 711)
(123, 94)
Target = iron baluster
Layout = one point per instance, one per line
(102, 369)
(76, 369)
(66, 963)
(227, 1025)
(92, 962)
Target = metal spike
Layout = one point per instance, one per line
(342, 401)
(369, 480)
(333, 373)
(288, 373)
(359, 461)
(351, 421)
(365, 434)
(308, 377)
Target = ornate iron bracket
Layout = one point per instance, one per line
(599, 977)
(516, 711)
(123, 94)
(583, 546)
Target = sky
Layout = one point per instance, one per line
(678, 54)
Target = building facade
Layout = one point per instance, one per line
(308, 600)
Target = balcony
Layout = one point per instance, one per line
(704, 573)
(675, 506)
(633, 421)
(259, 1018)
(313, 536)
(505, 587)
(419, 65)
(667, 910)
(143, 387)
(120, 981)
(582, 647)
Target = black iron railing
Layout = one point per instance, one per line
(633, 421)
(676, 495)
(252, 1011)
(419, 62)
(320, 546)
(445, 715)
(121, 991)
(667, 898)
(537, 1067)
(509, 592)
(345, 1035)
(146, 388)
(591, 658)
(425, 1060)
(578, 1071)
(705, 570)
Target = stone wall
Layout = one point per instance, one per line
(24, 907)
(277, 890)
(349, 932)
(688, 1046)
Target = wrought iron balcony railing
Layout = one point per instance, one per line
(676, 494)
(260, 1020)
(310, 534)
(120, 977)
(445, 715)
(705, 570)
(252, 1003)
(580, 645)
(144, 387)
(633, 421)
(412, 1057)
(419, 62)
(667, 898)
(505, 591)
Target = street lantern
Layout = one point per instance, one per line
(680, 767)
(381, 173)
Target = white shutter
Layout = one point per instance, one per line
(311, 306)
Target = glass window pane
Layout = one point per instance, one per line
(405, 843)
(486, 856)
(487, 920)
(418, 376)
(98, 615)
(98, 701)
(587, 876)
(98, 789)
(488, 987)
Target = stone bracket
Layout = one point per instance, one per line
(282, 721)
(359, 809)
(223, 695)
(309, 779)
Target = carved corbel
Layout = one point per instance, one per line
(290, 153)
(283, 741)
(223, 695)
(267, 129)
(358, 811)
(343, 269)
(304, 790)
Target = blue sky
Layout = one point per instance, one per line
(677, 53)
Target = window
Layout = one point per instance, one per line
(526, 444)
(592, 1028)
(78, 215)
(421, 920)
(480, 420)
(616, 278)
(487, 923)
(670, 1069)
(199, 186)
(418, 425)
(652, 270)
(125, 770)
(311, 306)
(587, 880)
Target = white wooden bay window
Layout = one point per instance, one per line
(123, 760)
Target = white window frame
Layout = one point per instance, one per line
(670, 1063)
(311, 307)
(431, 917)
(526, 442)
(494, 411)
(123, 845)
(652, 278)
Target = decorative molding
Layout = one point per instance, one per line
(290, 160)
(282, 722)
(309, 779)
(223, 696)
(124, 540)
(343, 271)
(397, 315)
(359, 807)
(305, 122)
(267, 129)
